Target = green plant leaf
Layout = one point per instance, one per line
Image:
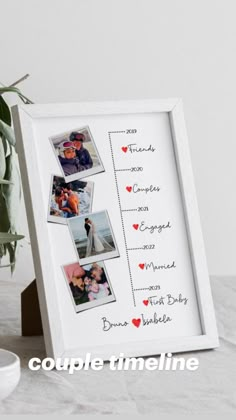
(2, 251)
(7, 265)
(4, 219)
(5, 114)
(17, 91)
(7, 132)
(10, 181)
(12, 192)
(6, 238)
(5, 182)
(2, 158)
(11, 248)
(5, 89)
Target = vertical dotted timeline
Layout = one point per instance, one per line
(110, 134)
(133, 208)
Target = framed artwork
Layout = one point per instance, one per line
(129, 273)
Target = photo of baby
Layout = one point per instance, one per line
(92, 236)
(89, 285)
(76, 154)
(68, 200)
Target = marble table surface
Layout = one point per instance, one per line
(209, 390)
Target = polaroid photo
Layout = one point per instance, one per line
(76, 153)
(92, 237)
(89, 285)
(69, 200)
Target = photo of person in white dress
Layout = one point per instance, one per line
(96, 244)
(93, 236)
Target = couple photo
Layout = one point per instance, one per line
(76, 154)
(69, 200)
(92, 236)
(89, 285)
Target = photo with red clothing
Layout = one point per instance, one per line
(69, 199)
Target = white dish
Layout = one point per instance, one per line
(9, 372)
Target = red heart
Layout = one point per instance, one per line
(124, 149)
(129, 189)
(136, 322)
(146, 302)
(141, 266)
(136, 226)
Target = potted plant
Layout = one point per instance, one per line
(10, 180)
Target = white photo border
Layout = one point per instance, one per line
(106, 255)
(63, 220)
(87, 172)
(94, 303)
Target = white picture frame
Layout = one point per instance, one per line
(166, 116)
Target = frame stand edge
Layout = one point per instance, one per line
(31, 322)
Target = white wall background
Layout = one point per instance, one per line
(79, 50)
